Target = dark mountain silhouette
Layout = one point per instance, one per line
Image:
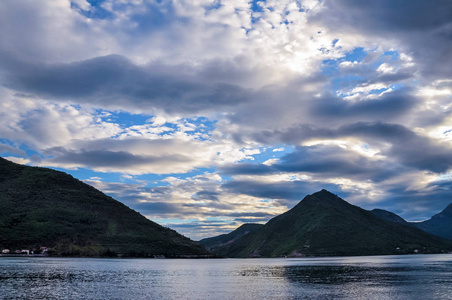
(322, 224)
(440, 224)
(388, 216)
(218, 243)
(42, 207)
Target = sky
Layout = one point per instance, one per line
(203, 115)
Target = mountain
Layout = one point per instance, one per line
(216, 244)
(388, 216)
(40, 207)
(440, 224)
(322, 224)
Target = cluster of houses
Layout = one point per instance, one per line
(42, 250)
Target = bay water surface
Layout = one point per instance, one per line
(369, 277)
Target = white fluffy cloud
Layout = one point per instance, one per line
(172, 87)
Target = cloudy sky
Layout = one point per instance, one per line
(206, 114)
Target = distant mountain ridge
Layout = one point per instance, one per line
(44, 207)
(388, 216)
(322, 224)
(216, 244)
(440, 224)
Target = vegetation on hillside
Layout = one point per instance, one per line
(43, 207)
(218, 243)
(322, 224)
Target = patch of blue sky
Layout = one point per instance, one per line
(256, 5)
(95, 12)
(150, 180)
(172, 126)
(23, 150)
(83, 174)
(95, 3)
(9, 143)
(340, 83)
(330, 67)
(202, 127)
(379, 91)
(153, 180)
(394, 55)
(392, 87)
(193, 173)
(157, 16)
(397, 86)
(213, 6)
(387, 57)
(271, 153)
(210, 124)
(266, 200)
(445, 177)
(124, 119)
(334, 42)
(357, 54)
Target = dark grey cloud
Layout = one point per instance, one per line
(406, 147)
(390, 15)
(326, 160)
(334, 161)
(134, 155)
(274, 111)
(417, 204)
(156, 201)
(389, 105)
(10, 149)
(289, 112)
(109, 159)
(290, 190)
(205, 195)
(423, 27)
(114, 81)
(213, 204)
(261, 220)
(160, 190)
(157, 208)
(247, 169)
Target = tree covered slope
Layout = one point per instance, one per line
(217, 244)
(43, 207)
(323, 224)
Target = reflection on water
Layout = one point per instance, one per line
(383, 277)
(334, 274)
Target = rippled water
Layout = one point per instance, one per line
(376, 277)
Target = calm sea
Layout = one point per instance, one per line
(375, 277)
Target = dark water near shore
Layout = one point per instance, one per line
(375, 277)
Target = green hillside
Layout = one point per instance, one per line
(42, 207)
(217, 244)
(322, 224)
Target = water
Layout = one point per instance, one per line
(375, 277)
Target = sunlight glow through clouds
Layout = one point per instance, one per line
(204, 115)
